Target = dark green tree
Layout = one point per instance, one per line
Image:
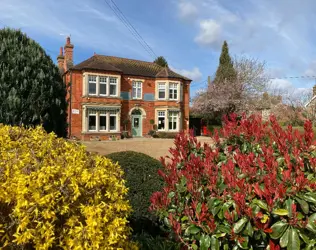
(160, 60)
(32, 91)
(225, 71)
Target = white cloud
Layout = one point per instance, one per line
(210, 34)
(194, 74)
(187, 10)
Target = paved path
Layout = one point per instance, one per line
(150, 146)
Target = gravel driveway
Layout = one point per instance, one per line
(153, 147)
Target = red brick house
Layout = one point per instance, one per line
(105, 91)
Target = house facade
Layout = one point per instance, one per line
(108, 94)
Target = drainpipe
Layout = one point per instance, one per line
(70, 102)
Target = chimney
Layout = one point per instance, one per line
(314, 90)
(68, 61)
(60, 60)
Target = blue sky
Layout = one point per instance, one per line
(188, 33)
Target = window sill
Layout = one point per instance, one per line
(101, 132)
(100, 96)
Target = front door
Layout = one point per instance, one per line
(137, 125)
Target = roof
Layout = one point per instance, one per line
(128, 67)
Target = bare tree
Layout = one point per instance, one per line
(233, 96)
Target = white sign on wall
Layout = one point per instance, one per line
(75, 111)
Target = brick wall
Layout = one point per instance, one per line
(148, 107)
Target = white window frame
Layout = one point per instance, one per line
(173, 89)
(173, 116)
(165, 90)
(104, 114)
(159, 115)
(96, 121)
(116, 121)
(113, 84)
(97, 116)
(98, 83)
(137, 89)
(103, 83)
(93, 82)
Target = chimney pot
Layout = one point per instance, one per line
(68, 40)
(61, 52)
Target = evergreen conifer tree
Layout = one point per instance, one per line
(32, 91)
(160, 60)
(225, 71)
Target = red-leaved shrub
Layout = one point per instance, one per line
(255, 188)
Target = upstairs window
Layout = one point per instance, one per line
(92, 82)
(113, 86)
(103, 85)
(137, 90)
(173, 91)
(161, 90)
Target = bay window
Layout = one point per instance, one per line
(161, 90)
(102, 85)
(92, 82)
(168, 120)
(173, 120)
(92, 117)
(137, 90)
(161, 120)
(173, 91)
(102, 119)
(113, 86)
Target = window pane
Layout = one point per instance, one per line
(139, 93)
(103, 122)
(112, 89)
(161, 123)
(102, 89)
(134, 93)
(92, 122)
(112, 122)
(170, 94)
(92, 88)
(175, 95)
(113, 80)
(162, 94)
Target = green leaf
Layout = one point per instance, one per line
(249, 229)
(288, 204)
(311, 225)
(214, 243)
(205, 242)
(198, 207)
(260, 203)
(226, 247)
(310, 198)
(184, 218)
(171, 195)
(281, 212)
(278, 229)
(294, 241)
(240, 225)
(193, 229)
(194, 247)
(303, 236)
(224, 229)
(285, 238)
(215, 210)
(303, 204)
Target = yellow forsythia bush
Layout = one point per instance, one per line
(54, 195)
